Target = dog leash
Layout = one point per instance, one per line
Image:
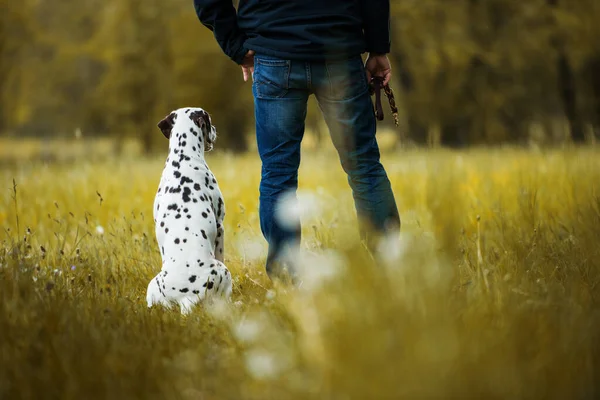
(375, 89)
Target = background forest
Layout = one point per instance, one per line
(466, 71)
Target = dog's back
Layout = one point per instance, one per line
(188, 216)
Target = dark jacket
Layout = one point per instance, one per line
(298, 29)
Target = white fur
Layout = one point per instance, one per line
(192, 245)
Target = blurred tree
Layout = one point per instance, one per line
(137, 87)
(467, 71)
(15, 33)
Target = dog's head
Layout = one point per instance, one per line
(190, 121)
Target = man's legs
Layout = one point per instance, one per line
(280, 101)
(342, 92)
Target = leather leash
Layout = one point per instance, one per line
(375, 89)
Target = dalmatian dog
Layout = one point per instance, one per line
(188, 217)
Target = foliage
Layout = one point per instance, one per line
(492, 291)
(467, 71)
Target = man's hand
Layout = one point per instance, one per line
(378, 65)
(248, 65)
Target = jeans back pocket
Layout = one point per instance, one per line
(271, 77)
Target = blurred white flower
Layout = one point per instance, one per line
(316, 269)
(391, 248)
(303, 205)
(270, 295)
(99, 230)
(248, 330)
(262, 364)
(57, 272)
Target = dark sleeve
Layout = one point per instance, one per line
(221, 18)
(376, 25)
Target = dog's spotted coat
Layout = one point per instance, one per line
(188, 215)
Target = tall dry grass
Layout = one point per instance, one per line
(492, 291)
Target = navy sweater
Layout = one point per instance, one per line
(298, 29)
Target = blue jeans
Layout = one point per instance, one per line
(281, 90)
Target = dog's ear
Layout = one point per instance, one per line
(202, 120)
(166, 124)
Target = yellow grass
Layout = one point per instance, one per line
(493, 294)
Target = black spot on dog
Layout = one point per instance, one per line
(173, 288)
(185, 210)
(206, 181)
(176, 240)
(178, 216)
(214, 180)
(196, 169)
(221, 281)
(208, 285)
(175, 164)
(211, 188)
(186, 194)
(190, 217)
(184, 136)
(187, 228)
(184, 143)
(184, 290)
(177, 174)
(166, 230)
(162, 250)
(213, 272)
(218, 234)
(162, 224)
(196, 291)
(197, 186)
(204, 235)
(184, 240)
(172, 206)
(193, 148)
(193, 278)
(185, 180)
(204, 215)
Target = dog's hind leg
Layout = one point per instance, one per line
(220, 242)
(223, 281)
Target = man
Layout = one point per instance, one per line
(295, 48)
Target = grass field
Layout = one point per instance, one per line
(491, 293)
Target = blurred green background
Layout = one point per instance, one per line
(466, 71)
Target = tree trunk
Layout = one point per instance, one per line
(568, 95)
